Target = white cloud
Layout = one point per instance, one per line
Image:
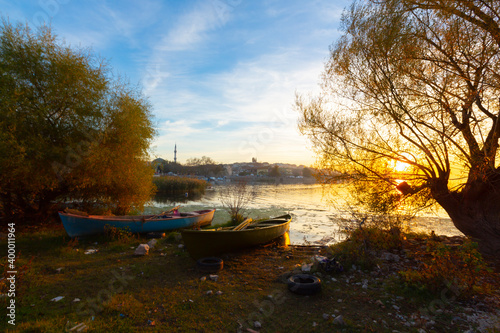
(192, 27)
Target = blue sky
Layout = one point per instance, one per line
(221, 75)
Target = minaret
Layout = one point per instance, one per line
(175, 154)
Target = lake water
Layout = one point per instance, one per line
(315, 221)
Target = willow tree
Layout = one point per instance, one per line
(417, 83)
(68, 130)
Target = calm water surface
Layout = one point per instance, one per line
(315, 220)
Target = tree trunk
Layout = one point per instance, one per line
(475, 211)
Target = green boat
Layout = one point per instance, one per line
(211, 242)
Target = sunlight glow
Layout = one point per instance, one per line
(401, 166)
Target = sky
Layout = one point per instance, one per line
(221, 75)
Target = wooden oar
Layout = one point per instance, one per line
(165, 212)
(243, 224)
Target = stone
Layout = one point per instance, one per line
(387, 256)
(203, 278)
(257, 324)
(58, 270)
(326, 316)
(152, 243)
(218, 293)
(214, 277)
(339, 320)
(142, 250)
(307, 267)
(181, 246)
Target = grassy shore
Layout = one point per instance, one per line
(112, 290)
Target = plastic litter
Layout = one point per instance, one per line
(329, 265)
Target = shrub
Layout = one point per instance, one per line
(440, 263)
(362, 244)
(118, 234)
(235, 198)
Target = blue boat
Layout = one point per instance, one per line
(83, 225)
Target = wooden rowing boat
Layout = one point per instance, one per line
(210, 242)
(80, 225)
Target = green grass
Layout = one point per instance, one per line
(162, 292)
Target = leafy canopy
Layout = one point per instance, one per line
(68, 129)
(410, 92)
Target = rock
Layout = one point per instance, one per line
(379, 303)
(307, 267)
(181, 246)
(257, 324)
(218, 293)
(430, 324)
(214, 277)
(152, 243)
(315, 324)
(210, 292)
(203, 278)
(76, 300)
(91, 251)
(339, 320)
(326, 316)
(58, 270)
(57, 299)
(387, 256)
(142, 250)
(396, 307)
(339, 300)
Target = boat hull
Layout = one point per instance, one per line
(77, 226)
(203, 243)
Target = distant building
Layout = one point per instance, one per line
(229, 169)
(262, 171)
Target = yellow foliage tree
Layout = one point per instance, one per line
(67, 129)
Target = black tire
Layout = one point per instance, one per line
(304, 284)
(210, 264)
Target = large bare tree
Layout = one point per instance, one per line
(417, 82)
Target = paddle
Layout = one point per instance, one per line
(243, 224)
(165, 212)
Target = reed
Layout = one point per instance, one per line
(174, 185)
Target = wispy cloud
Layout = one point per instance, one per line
(221, 74)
